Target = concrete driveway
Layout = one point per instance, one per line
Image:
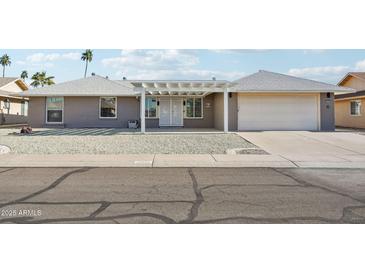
(303, 147)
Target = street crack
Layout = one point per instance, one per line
(199, 199)
(51, 186)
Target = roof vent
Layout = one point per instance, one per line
(213, 78)
(93, 74)
(124, 78)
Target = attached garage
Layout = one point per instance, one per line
(274, 101)
(278, 111)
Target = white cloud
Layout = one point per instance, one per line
(50, 57)
(360, 65)
(158, 59)
(163, 64)
(179, 74)
(314, 51)
(318, 71)
(238, 51)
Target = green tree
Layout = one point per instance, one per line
(41, 79)
(24, 75)
(87, 56)
(5, 61)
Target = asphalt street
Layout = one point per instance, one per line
(182, 195)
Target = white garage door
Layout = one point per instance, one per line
(278, 112)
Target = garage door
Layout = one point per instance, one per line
(278, 112)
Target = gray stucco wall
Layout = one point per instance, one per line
(327, 109)
(37, 111)
(152, 123)
(219, 113)
(84, 112)
(208, 115)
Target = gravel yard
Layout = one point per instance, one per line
(62, 142)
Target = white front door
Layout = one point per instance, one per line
(171, 112)
(176, 112)
(164, 111)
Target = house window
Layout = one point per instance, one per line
(6, 106)
(108, 107)
(54, 109)
(194, 108)
(24, 108)
(355, 108)
(151, 107)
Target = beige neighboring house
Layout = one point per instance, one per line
(13, 107)
(349, 107)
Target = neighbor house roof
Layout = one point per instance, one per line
(4, 81)
(8, 94)
(353, 95)
(90, 86)
(359, 75)
(266, 81)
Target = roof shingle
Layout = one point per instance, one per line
(271, 81)
(90, 86)
(6, 80)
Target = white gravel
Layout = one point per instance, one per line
(79, 142)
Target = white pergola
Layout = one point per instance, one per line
(182, 88)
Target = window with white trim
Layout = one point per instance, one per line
(194, 107)
(108, 107)
(355, 108)
(151, 107)
(24, 108)
(54, 109)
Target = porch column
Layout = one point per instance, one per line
(142, 108)
(225, 110)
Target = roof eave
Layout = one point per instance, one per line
(292, 91)
(78, 95)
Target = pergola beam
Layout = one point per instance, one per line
(186, 89)
(225, 110)
(142, 108)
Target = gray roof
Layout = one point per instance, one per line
(90, 86)
(6, 80)
(271, 81)
(5, 93)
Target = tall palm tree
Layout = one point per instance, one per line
(87, 56)
(5, 61)
(41, 79)
(24, 75)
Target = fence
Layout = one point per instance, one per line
(10, 119)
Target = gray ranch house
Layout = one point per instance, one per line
(260, 101)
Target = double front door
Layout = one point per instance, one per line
(171, 112)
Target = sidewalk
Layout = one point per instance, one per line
(179, 160)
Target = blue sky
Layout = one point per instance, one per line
(323, 65)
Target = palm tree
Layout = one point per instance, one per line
(87, 56)
(24, 75)
(5, 61)
(41, 79)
